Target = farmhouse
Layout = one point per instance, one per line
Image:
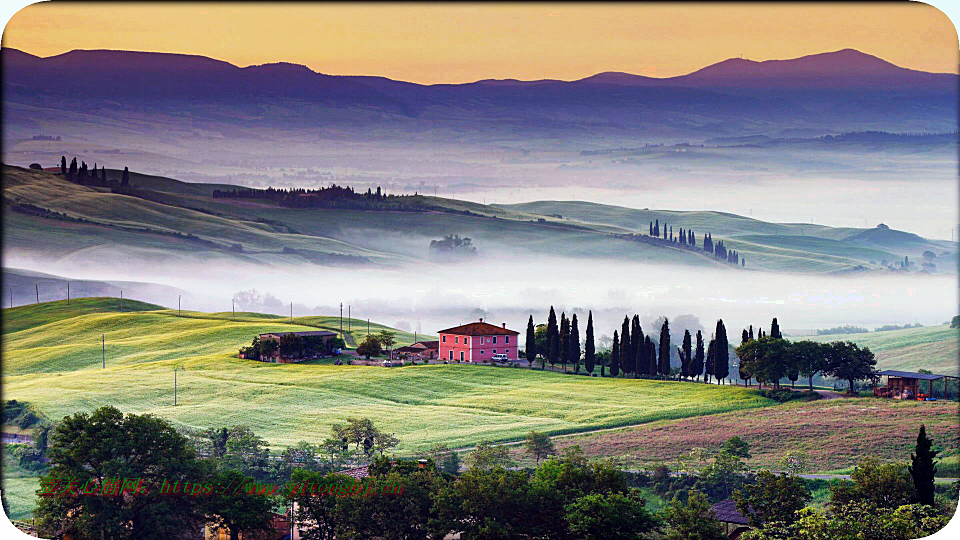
(289, 347)
(478, 342)
(734, 523)
(421, 350)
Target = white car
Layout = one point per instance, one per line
(499, 358)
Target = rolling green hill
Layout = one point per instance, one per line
(51, 218)
(936, 348)
(53, 362)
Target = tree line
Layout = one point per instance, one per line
(766, 357)
(565, 497)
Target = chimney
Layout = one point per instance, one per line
(504, 325)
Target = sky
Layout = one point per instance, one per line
(434, 43)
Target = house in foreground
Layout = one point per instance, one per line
(478, 342)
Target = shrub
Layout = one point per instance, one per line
(783, 395)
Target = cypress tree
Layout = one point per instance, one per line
(683, 239)
(711, 357)
(721, 364)
(651, 228)
(639, 351)
(627, 356)
(744, 375)
(73, 169)
(575, 343)
(922, 467)
(651, 355)
(671, 233)
(103, 175)
(696, 367)
(564, 340)
(656, 228)
(775, 330)
(553, 338)
(663, 366)
(750, 332)
(589, 353)
(615, 355)
(531, 344)
(63, 165)
(687, 353)
(125, 179)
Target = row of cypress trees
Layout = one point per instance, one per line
(80, 174)
(632, 353)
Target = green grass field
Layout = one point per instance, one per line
(53, 362)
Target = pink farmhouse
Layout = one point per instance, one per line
(478, 342)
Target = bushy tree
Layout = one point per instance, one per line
(847, 361)
(603, 516)
(539, 445)
(693, 519)
(370, 347)
(772, 498)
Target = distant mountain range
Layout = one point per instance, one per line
(832, 92)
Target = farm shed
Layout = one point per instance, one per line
(907, 384)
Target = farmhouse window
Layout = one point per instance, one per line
(494, 339)
(481, 351)
(507, 339)
(444, 338)
(494, 351)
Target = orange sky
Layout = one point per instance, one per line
(455, 43)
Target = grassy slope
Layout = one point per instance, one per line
(585, 230)
(936, 348)
(456, 405)
(771, 246)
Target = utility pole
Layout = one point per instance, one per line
(368, 327)
(178, 306)
(349, 325)
(291, 312)
(103, 350)
(37, 287)
(233, 306)
(68, 293)
(121, 299)
(11, 296)
(341, 318)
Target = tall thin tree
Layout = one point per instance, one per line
(589, 352)
(696, 367)
(775, 330)
(531, 343)
(615, 355)
(627, 358)
(663, 365)
(564, 340)
(575, 344)
(923, 468)
(687, 349)
(721, 365)
(711, 357)
(553, 338)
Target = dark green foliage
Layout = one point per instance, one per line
(711, 358)
(775, 330)
(615, 355)
(847, 361)
(589, 349)
(125, 178)
(875, 484)
(575, 343)
(772, 498)
(110, 445)
(452, 244)
(663, 357)
(553, 338)
(564, 340)
(369, 347)
(627, 357)
(783, 395)
(847, 329)
(63, 165)
(693, 519)
(721, 363)
(922, 467)
(686, 353)
(955, 321)
(241, 511)
(696, 366)
(602, 516)
(531, 342)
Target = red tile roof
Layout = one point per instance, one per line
(479, 329)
